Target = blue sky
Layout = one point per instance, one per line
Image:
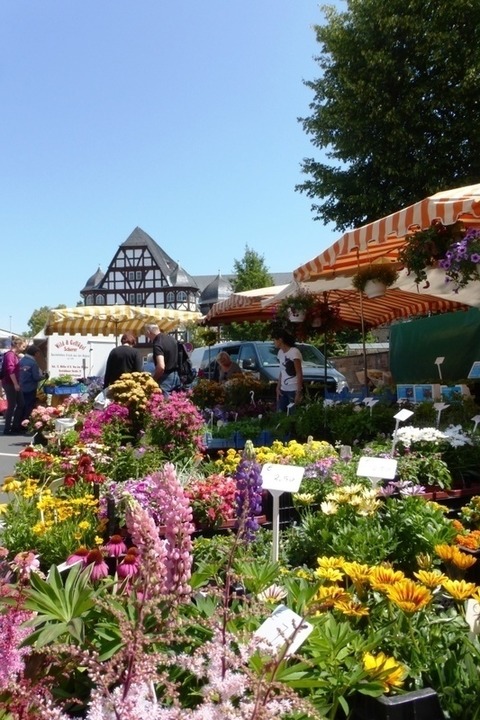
(178, 117)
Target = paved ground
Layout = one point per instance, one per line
(10, 446)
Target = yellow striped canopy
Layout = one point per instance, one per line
(115, 319)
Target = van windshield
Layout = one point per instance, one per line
(312, 357)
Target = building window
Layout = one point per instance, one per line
(182, 296)
(131, 275)
(139, 300)
(100, 300)
(131, 299)
(138, 275)
(89, 300)
(170, 297)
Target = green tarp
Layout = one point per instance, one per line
(415, 345)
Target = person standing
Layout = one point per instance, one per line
(122, 359)
(290, 377)
(11, 386)
(165, 359)
(30, 376)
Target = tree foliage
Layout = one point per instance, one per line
(38, 319)
(250, 272)
(395, 108)
(257, 330)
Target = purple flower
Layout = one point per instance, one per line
(475, 258)
(249, 492)
(99, 566)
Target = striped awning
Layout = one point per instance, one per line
(389, 232)
(115, 319)
(394, 304)
(247, 303)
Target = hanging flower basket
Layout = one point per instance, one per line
(425, 248)
(462, 260)
(374, 279)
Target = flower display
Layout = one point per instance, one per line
(212, 499)
(175, 425)
(462, 260)
(424, 248)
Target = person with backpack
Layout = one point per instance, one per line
(11, 387)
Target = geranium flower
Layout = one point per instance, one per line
(409, 596)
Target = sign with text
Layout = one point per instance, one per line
(284, 626)
(78, 355)
(281, 478)
(384, 468)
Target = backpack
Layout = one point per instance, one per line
(2, 356)
(184, 366)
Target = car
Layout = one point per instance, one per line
(259, 358)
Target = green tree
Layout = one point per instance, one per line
(39, 318)
(256, 330)
(395, 108)
(251, 272)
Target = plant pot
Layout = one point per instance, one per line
(374, 289)
(419, 704)
(296, 316)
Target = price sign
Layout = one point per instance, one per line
(283, 626)
(281, 478)
(374, 467)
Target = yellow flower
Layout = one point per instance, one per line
(327, 595)
(98, 540)
(356, 572)
(459, 589)
(3, 508)
(351, 607)
(430, 578)
(385, 669)
(329, 508)
(330, 561)
(408, 595)
(476, 594)
(382, 577)
(11, 485)
(329, 573)
(83, 525)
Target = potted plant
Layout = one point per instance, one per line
(374, 279)
(424, 248)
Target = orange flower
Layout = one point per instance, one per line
(430, 578)
(409, 596)
(459, 589)
(457, 525)
(444, 552)
(462, 560)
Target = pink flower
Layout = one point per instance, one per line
(115, 546)
(100, 567)
(129, 566)
(79, 555)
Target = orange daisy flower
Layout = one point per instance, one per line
(384, 668)
(430, 578)
(351, 607)
(382, 577)
(409, 596)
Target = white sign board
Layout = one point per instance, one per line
(78, 355)
(281, 478)
(282, 625)
(375, 467)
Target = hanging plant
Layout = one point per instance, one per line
(323, 317)
(462, 260)
(295, 308)
(383, 273)
(424, 248)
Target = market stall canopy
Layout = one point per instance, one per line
(394, 304)
(115, 319)
(383, 238)
(244, 306)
